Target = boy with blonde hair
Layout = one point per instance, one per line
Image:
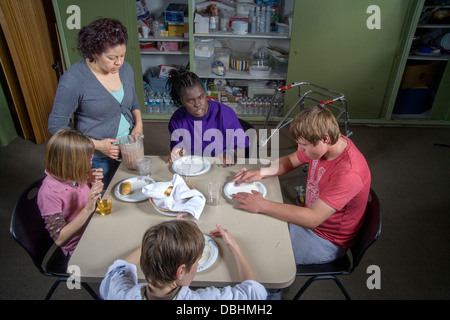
(337, 190)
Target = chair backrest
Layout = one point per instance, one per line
(370, 229)
(27, 226)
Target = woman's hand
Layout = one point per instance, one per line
(108, 147)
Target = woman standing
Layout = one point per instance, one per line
(98, 91)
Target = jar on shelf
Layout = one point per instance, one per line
(203, 48)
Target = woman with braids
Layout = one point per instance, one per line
(200, 126)
(99, 92)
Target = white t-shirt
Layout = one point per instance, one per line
(121, 283)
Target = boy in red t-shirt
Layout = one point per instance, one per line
(337, 189)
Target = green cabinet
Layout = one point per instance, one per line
(359, 48)
(333, 46)
(71, 16)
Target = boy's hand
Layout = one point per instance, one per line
(225, 235)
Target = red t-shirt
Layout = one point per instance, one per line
(344, 184)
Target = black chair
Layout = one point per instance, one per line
(369, 232)
(28, 229)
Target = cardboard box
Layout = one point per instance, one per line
(419, 75)
(175, 13)
(176, 30)
(201, 24)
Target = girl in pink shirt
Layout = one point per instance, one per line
(68, 194)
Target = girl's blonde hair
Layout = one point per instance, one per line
(69, 154)
(313, 124)
(168, 245)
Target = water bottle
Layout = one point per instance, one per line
(258, 19)
(301, 194)
(262, 20)
(151, 103)
(268, 20)
(158, 103)
(280, 108)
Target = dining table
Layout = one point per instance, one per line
(264, 240)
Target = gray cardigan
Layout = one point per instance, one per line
(96, 112)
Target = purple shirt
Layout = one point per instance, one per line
(57, 197)
(217, 131)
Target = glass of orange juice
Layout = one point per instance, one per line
(104, 203)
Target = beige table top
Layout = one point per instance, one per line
(265, 241)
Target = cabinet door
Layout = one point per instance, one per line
(72, 15)
(333, 47)
(441, 105)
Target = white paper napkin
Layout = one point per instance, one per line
(181, 199)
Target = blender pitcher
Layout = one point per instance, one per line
(132, 148)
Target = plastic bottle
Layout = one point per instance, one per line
(152, 104)
(280, 108)
(301, 194)
(262, 20)
(252, 20)
(250, 106)
(156, 28)
(258, 19)
(268, 20)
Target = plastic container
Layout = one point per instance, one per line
(239, 27)
(131, 148)
(260, 68)
(203, 48)
(241, 54)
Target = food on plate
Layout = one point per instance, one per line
(168, 191)
(125, 188)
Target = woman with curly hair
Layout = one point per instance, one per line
(99, 92)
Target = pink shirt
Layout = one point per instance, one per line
(57, 197)
(344, 184)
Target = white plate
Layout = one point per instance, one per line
(230, 188)
(210, 254)
(137, 183)
(191, 165)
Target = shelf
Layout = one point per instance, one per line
(434, 26)
(152, 39)
(428, 57)
(236, 74)
(223, 34)
(152, 51)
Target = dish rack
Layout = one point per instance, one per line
(309, 91)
